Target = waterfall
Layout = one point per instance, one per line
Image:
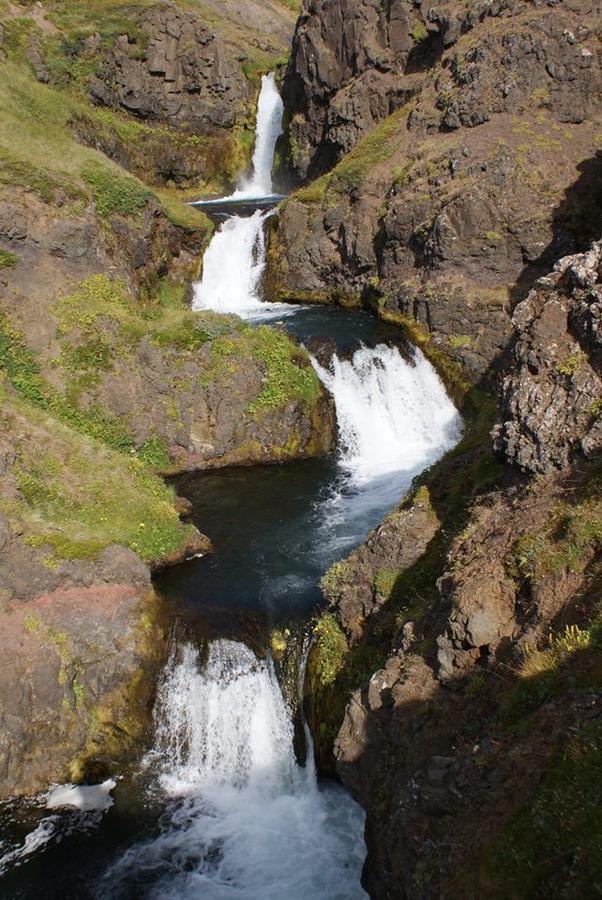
(246, 821)
(393, 415)
(235, 259)
(232, 267)
(394, 419)
(268, 129)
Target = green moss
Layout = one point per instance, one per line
(572, 535)
(571, 363)
(335, 578)
(419, 32)
(384, 581)
(329, 650)
(460, 341)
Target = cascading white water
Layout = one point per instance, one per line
(232, 267)
(268, 129)
(393, 415)
(235, 259)
(394, 419)
(247, 821)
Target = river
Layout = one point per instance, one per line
(227, 803)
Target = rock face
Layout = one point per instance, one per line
(76, 678)
(552, 397)
(463, 605)
(344, 76)
(197, 386)
(183, 76)
(354, 63)
(444, 212)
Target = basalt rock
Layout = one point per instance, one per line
(80, 645)
(343, 76)
(447, 211)
(181, 74)
(552, 396)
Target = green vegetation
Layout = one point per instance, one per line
(561, 828)
(114, 193)
(329, 650)
(77, 496)
(8, 260)
(333, 580)
(419, 32)
(554, 839)
(572, 535)
(571, 363)
(289, 374)
(375, 148)
(460, 341)
(384, 581)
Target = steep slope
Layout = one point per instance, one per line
(456, 678)
(107, 376)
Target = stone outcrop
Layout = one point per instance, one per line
(344, 77)
(194, 394)
(180, 74)
(552, 396)
(78, 663)
(354, 63)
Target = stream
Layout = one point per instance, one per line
(227, 803)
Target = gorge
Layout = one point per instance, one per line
(300, 513)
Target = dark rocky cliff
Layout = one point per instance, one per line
(451, 179)
(459, 668)
(444, 212)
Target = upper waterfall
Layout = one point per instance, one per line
(268, 129)
(235, 259)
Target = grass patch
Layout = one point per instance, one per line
(113, 193)
(78, 497)
(8, 260)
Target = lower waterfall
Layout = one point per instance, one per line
(245, 819)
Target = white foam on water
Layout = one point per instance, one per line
(394, 420)
(34, 841)
(247, 821)
(85, 797)
(393, 415)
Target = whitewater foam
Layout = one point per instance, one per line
(393, 414)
